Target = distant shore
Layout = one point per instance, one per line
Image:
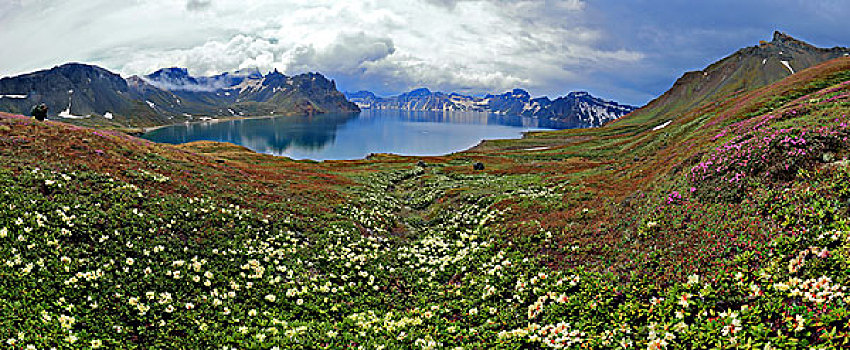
(145, 130)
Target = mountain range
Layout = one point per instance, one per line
(576, 109)
(94, 95)
(744, 70)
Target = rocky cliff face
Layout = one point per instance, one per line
(578, 109)
(79, 91)
(249, 92)
(581, 108)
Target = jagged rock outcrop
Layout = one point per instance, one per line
(248, 92)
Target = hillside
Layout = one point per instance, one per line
(75, 91)
(724, 227)
(746, 69)
(576, 109)
(92, 96)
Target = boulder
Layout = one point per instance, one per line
(39, 112)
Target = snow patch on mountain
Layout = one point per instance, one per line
(577, 108)
(67, 114)
(662, 126)
(538, 148)
(788, 65)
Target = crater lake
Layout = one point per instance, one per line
(355, 136)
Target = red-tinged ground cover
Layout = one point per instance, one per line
(202, 169)
(725, 228)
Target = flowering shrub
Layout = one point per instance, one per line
(762, 151)
(125, 269)
(436, 257)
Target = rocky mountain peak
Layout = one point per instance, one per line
(781, 39)
(76, 67)
(175, 78)
(277, 73)
(170, 73)
(780, 36)
(747, 69)
(420, 92)
(80, 91)
(520, 93)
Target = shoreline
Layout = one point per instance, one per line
(145, 130)
(522, 136)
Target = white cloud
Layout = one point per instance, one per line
(198, 5)
(464, 45)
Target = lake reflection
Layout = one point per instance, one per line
(354, 136)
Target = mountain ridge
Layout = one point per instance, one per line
(578, 108)
(92, 95)
(745, 69)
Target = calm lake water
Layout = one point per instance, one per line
(354, 136)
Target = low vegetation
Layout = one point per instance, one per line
(726, 228)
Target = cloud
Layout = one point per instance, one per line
(465, 46)
(346, 54)
(9, 7)
(628, 51)
(198, 5)
(574, 5)
(349, 53)
(210, 58)
(473, 46)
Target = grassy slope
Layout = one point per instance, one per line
(597, 238)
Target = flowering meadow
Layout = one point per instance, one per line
(740, 240)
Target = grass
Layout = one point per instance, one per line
(607, 238)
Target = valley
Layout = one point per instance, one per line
(714, 217)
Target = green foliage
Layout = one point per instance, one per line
(520, 255)
(777, 101)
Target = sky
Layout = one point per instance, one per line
(628, 51)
